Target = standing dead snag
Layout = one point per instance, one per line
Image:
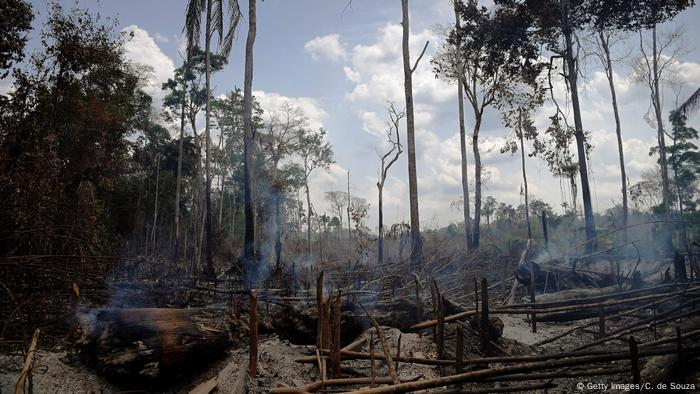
(253, 360)
(440, 337)
(484, 324)
(634, 361)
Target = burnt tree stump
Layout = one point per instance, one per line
(133, 345)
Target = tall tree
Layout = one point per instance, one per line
(248, 142)
(493, 55)
(652, 70)
(462, 133)
(217, 13)
(517, 114)
(524, 129)
(386, 161)
(279, 142)
(16, 20)
(314, 152)
(605, 38)
(555, 24)
(408, 70)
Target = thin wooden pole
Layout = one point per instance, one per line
(484, 324)
(634, 361)
(459, 350)
(440, 337)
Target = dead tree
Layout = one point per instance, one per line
(416, 242)
(394, 140)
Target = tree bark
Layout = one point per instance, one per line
(522, 157)
(477, 181)
(155, 204)
(618, 129)
(179, 173)
(348, 211)
(248, 145)
(308, 216)
(571, 76)
(663, 162)
(416, 242)
(207, 160)
(380, 240)
(463, 143)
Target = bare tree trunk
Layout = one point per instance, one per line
(571, 76)
(155, 204)
(476, 232)
(348, 211)
(308, 216)
(463, 143)
(380, 240)
(618, 130)
(522, 157)
(179, 176)
(416, 242)
(280, 227)
(663, 162)
(248, 143)
(207, 160)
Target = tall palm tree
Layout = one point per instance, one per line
(214, 11)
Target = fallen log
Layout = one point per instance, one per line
(149, 343)
(512, 369)
(559, 313)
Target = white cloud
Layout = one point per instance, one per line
(142, 49)
(272, 102)
(161, 38)
(352, 75)
(328, 47)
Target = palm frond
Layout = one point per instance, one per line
(193, 23)
(217, 18)
(691, 105)
(233, 18)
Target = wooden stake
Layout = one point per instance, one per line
(385, 347)
(484, 324)
(253, 360)
(601, 322)
(440, 337)
(634, 360)
(459, 350)
(28, 362)
(319, 306)
(372, 370)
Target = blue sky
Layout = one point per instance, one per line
(340, 65)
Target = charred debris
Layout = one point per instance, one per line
(496, 322)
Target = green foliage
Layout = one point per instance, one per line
(684, 158)
(15, 22)
(63, 140)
